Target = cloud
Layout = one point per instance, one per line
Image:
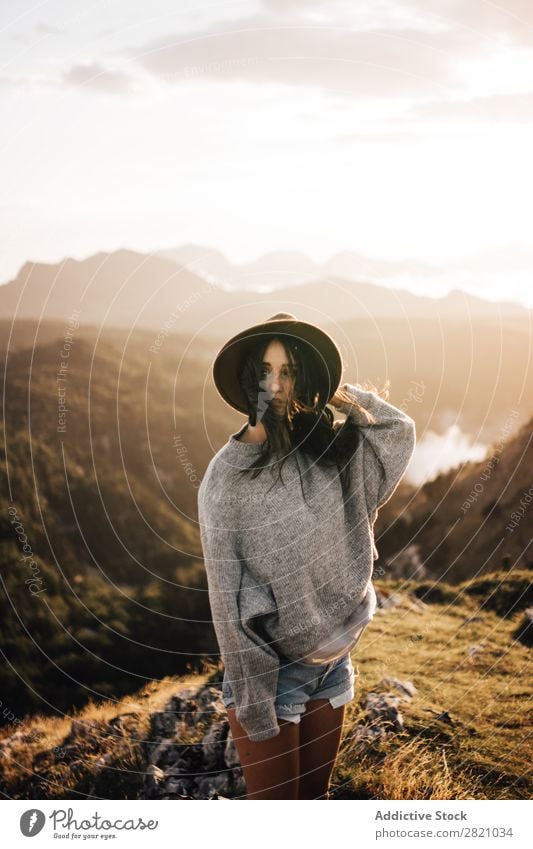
(483, 18)
(372, 49)
(511, 108)
(89, 75)
(371, 63)
(95, 75)
(27, 83)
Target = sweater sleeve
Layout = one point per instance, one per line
(252, 666)
(387, 445)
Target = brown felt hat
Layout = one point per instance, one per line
(229, 359)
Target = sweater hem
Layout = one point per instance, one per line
(261, 736)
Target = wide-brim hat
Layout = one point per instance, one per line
(228, 361)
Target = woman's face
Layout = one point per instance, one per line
(277, 376)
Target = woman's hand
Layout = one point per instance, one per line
(335, 400)
(356, 411)
(340, 397)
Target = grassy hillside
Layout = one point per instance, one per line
(107, 508)
(455, 724)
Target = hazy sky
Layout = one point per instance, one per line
(394, 128)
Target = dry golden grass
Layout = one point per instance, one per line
(110, 765)
(480, 748)
(483, 750)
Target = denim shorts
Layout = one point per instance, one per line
(300, 682)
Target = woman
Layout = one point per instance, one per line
(289, 565)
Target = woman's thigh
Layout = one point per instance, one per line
(271, 768)
(320, 736)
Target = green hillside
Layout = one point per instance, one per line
(106, 513)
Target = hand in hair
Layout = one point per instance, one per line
(341, 397)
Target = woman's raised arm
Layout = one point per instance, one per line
(387, 445)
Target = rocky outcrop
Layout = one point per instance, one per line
(210, 769)
(524, 631)
(179, 768)
(382, 711)
(173, 741)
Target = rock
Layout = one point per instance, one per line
(209, 702)
(213, 784)
(407, 564)
(367, 733)
(239, 785)
(154, 776)
(475, 649)
(208, 769)
(190, 759)
(383, 717)
(182, 787)
(214, 744)
(188, 714)
(231, 755)
(406, 688)
(524, 631)
(445, 717)
(166, 752)
(188, 711)
(384, 708)
(163, 723)
(188, 693)
(102, 763)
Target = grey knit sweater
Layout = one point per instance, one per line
(283, 574)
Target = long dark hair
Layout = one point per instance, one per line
(308, 424)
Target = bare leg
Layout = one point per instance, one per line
(320, 736)
(270, 768)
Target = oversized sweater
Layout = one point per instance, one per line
(284, 574)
